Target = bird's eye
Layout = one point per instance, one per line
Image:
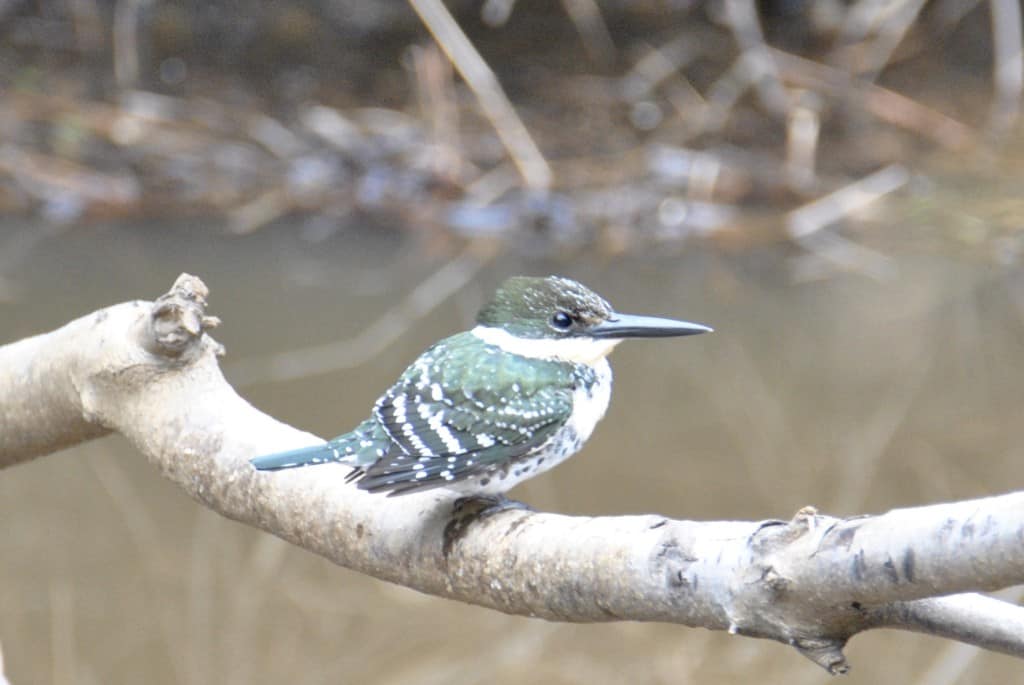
(561, 320)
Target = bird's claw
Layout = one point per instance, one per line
(467, 510)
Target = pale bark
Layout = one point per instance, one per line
(149, 371)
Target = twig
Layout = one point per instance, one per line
(489, 186)
(3, 676)
(802, 128)
(840, 204)
(274, 136)
(331, 126)
(950, 665)
(47, 178)
(1007, 64)
(896, 18)
(902, 111)
(435, 90)
(259, 211)
(1000, 621)
(660, 63)
(804, 225)
(481, 80)
(859, 18)
(126, 42)
(597, 40)
(724, 93)
(87, 20)
(743, 20)
(496, 12)
(948, 13)
(886, 104)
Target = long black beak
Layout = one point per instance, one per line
(633, 326)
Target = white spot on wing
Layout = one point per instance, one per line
(398, 406)
(451, 443)
(590, 404)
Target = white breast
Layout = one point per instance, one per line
(590, 404)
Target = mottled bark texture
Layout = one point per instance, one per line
(149, 371)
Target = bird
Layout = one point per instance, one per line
(485, 409)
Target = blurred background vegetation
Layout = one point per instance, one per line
(833, 185)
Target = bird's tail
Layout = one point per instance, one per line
(363, 446)
(304, 456)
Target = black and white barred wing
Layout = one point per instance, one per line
(449, 428)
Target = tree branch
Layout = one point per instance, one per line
(149, 371)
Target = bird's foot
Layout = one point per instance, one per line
(484, 506)
(468, 510)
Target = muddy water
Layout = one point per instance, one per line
(851, 394)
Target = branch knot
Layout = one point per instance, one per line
(826, 652)
(178, 318)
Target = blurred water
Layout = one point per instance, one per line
(850, 394)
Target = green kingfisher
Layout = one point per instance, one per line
(488, 408)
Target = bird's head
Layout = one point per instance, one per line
(558, 318)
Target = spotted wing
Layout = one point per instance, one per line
(462, 408)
